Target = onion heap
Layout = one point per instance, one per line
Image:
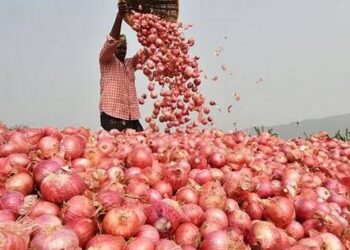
(200, 189)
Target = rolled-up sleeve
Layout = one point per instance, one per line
(108, 49)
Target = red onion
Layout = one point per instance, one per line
(187, 195)
(330, 241)
(295, 230)
(187, 234)
(109, 199)
(58, 238)
(121, 222)
(140, 157)
(164, 188)
(240, 220)
(140, 243)
(48, 146)
(198, 162)
(46, 222)
(165, 244)
(193, 213)
(210, 226)
(164, 217)
(60, 187)
(305, 209)
(149, 232)
(220, 240)
(106, 242)
(203, 176)
(212, 196)
(73, 147)
(154, 196)
(216, 214)
(22, 182)
(231, 205)
(6, 216)
(176, 176)
(12, 241)
(217, 160)
(44, 207)
(264, 235)
(78, 207)
(44, 168)
(12, 201)
(84, 228)
(280, 211)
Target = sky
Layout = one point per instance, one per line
(288, 60)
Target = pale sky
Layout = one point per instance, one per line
(49, 72)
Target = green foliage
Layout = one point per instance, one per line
(258, 131)
(343, 137)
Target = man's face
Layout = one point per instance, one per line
(121, 50)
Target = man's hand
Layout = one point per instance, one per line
(123, 8)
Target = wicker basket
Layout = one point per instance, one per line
(167, 9)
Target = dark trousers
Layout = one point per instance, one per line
(109, 122)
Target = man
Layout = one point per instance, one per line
(119, 106)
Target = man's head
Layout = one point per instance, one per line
(120, 51)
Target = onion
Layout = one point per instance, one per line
(109, 199)
(217, 160)
(280, 211)
(203, 176)
(154, 196)
(6, 216)
(140, 157)
(220, 240)
(149, 232)
(212, 196)
(295, 230)
(216, 214)
(198, 162)
(330, 241)
(48, 146)
(264, 235)
(209, 226)
(60, 187)
(231, 205)
(305, 209)
(164, 217)
(106, 242)
(166, 245)
(12, 201)
(44, 207)
(187, 234)
(21, 182)
(121, 222)
(176, 176)
(139, 189)
(164, 188)
(44, 168)
(84, 228)
(78, 207)
(254, 210)
(73, 146)
(46, 222)
(187, 195)
(57, 238)
(240, 220)
(12, 241)
(193, 213)
(140, 243)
